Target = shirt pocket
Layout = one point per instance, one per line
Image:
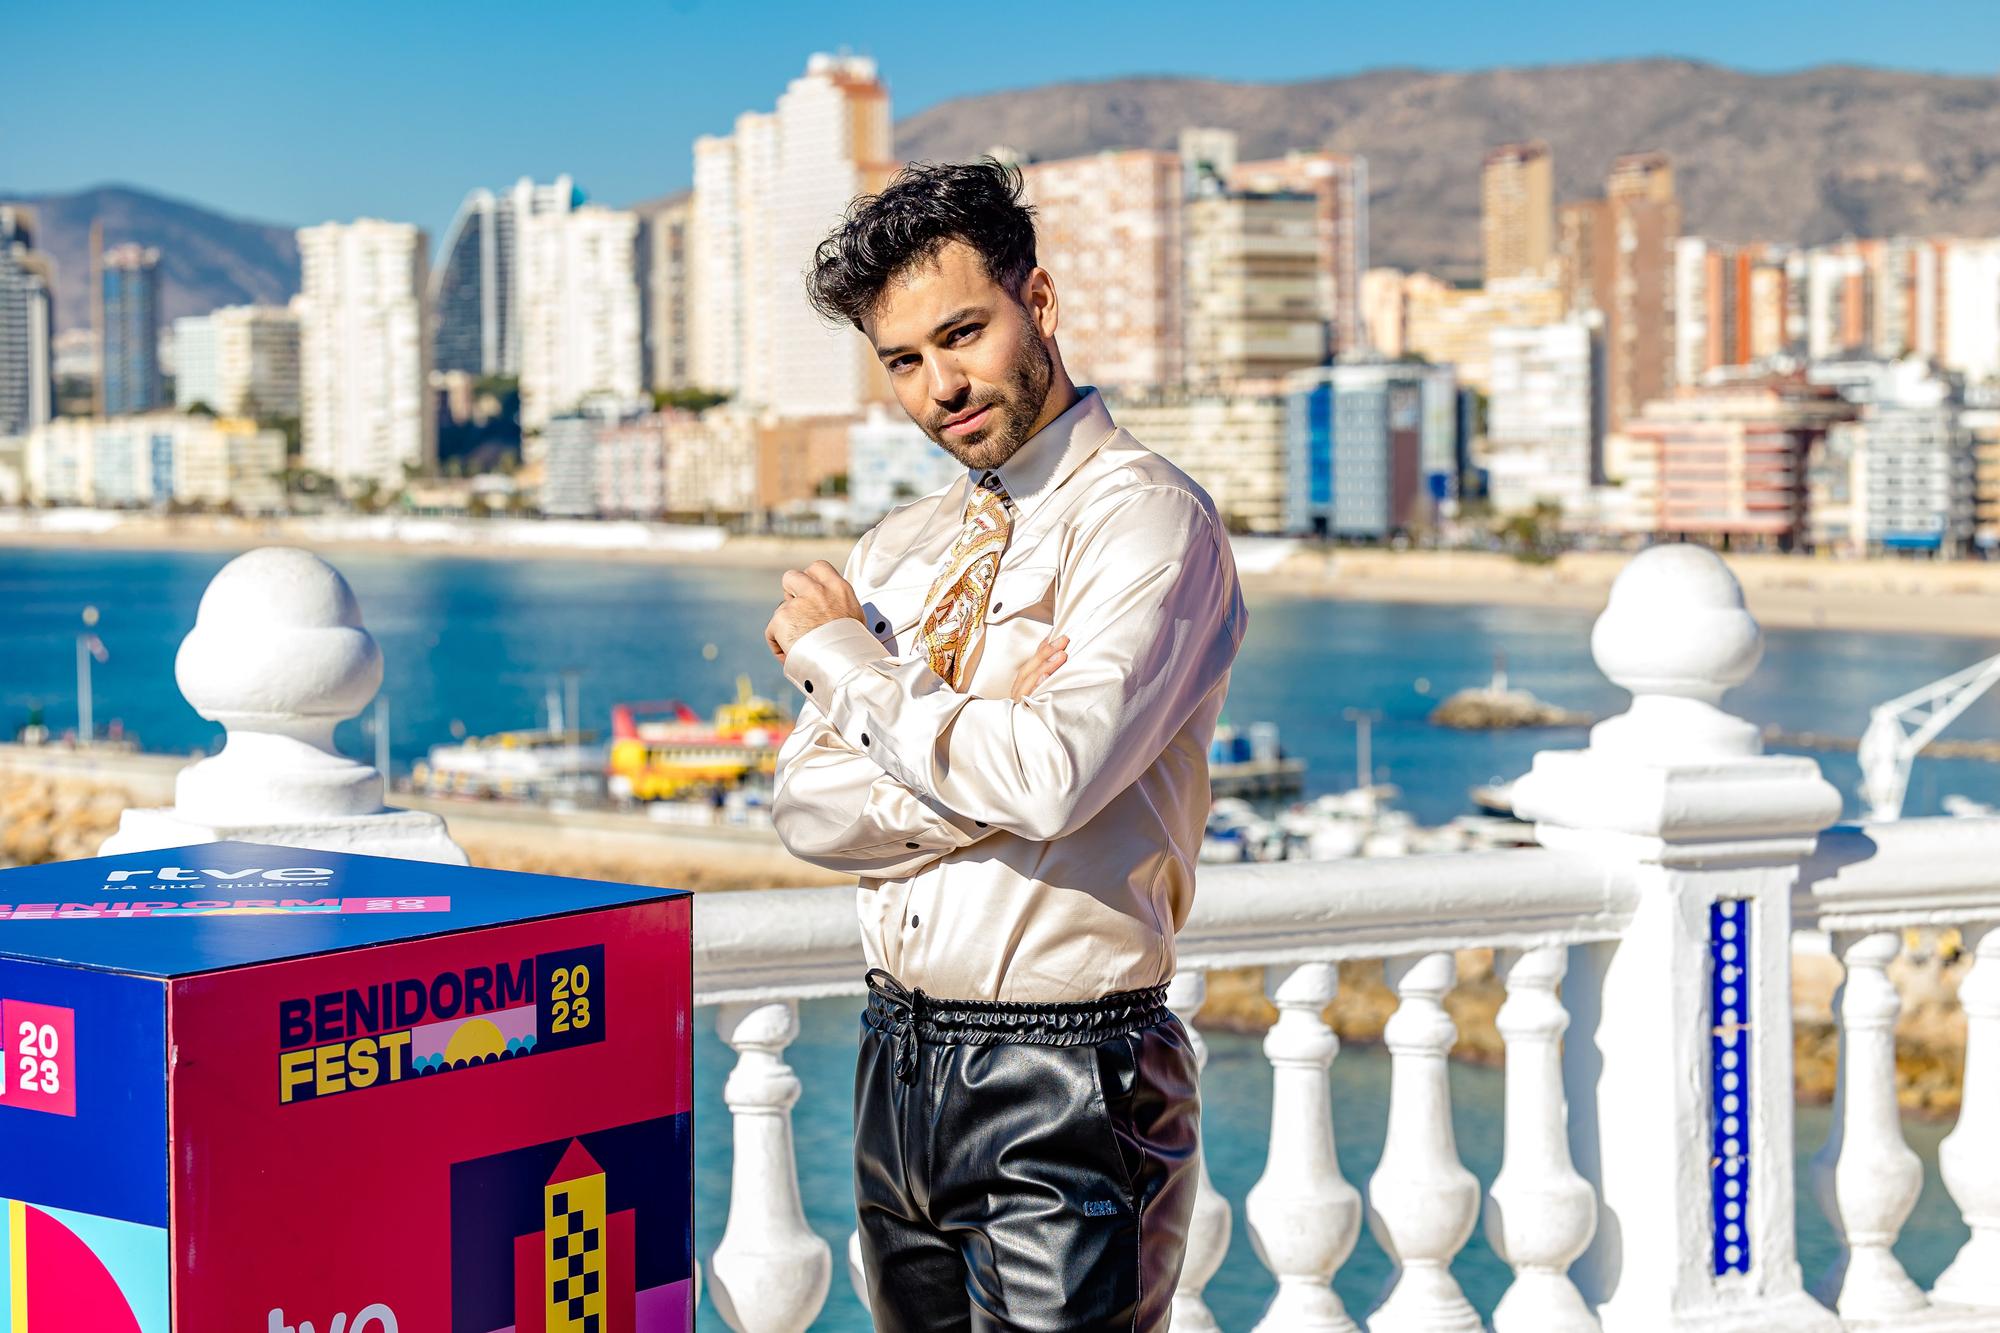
(1026, 592)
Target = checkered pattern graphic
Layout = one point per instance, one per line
(573, 1235)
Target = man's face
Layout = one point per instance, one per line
(967, 359)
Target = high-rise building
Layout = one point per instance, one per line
(1732, 459)
(1545, 415)
(1207, 157)
(1517, 211)
(579, 309)
(239, 361)
(715, 268)
(1253, 295)
(1616, 255)
(1455, 325)
(1906, 465)
(364, 399)
(475, 290)
(1108, 229)
(1232, 444)
(834, 143)
(1339, 184)
(132, 330)
(1372, 448)
(1731, 306)
(1970, 285)
(664, 244)
(27, 314)
(1385, 310)
(764, 198)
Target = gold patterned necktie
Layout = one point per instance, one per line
(958, 596)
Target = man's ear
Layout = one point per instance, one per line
(1038, 295)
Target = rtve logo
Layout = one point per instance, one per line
(377, 1318)
(177, 875)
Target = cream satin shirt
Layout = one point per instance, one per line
(1040, 849)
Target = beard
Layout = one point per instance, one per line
(1016, 405)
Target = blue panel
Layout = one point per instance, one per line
(1729, 1083)
(109, 1159)
(227, 904)
(1319, 444)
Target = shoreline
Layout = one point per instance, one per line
(1783, 592)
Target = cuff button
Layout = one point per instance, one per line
(864, 738)
(911, 845)
(809, 687)
(881, 625)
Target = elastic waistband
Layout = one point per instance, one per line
(892, 1008)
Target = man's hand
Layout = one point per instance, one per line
(1039, 667)
(814, 596)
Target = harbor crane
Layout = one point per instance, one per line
(1899, 730)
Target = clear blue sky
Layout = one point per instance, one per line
(297, 111)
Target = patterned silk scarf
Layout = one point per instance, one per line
(958, 596)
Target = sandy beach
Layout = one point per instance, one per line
(1890, 595)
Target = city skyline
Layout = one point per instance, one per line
(661, 78)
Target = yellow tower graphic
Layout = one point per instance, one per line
(573, 1243)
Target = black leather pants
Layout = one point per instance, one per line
(1024, 1167)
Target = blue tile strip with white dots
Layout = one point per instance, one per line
(1729, 1082)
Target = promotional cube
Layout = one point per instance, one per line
(255, 1089)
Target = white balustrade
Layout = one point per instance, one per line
(1866, 1176)
(1304, 1218)
(1422, 1202)
(770, 1273)
(1540, 1214)
(1208, 1227)
(1969, 1157)
(1671, 821)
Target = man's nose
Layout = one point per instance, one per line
(948, 382)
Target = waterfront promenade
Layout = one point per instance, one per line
(1647, 1129)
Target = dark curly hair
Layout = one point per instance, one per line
(925, 206)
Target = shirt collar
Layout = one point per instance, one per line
(1052, 453)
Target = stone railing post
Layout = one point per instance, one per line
(1208, 1229)
(1866, 1178)
(1422, 1202)
(1304, 1218)
(278, 655)
(1969, 1157)
(1678, 1063)
(1540, 1214)
(770, 1273)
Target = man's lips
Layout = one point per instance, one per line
(965, 425)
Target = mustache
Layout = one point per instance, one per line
(971, 405)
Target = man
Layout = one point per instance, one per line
(1008, 697)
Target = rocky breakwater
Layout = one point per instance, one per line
(54, 818)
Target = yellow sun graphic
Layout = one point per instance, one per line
(475, 1039)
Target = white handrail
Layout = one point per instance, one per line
(1914, 872)
(804, 943)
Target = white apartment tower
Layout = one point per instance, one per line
(579, 295)
(475, 291)
(363, 355)
(765, 196)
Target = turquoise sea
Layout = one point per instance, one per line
(475, 642)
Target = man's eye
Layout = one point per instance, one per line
(901, 364)
(960, 335)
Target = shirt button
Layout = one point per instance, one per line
(911, 845)
(980, 822)
(915, 921)
(881, 625)
(864, 738)
(809, 687)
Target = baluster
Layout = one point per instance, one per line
(1303, 1217)
(1866, 1177)
(1422, 1202)
(770, 1273)
(1969, 1157)
(1540, 1214)
(1208, 1228)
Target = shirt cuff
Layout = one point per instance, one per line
(825, 655)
